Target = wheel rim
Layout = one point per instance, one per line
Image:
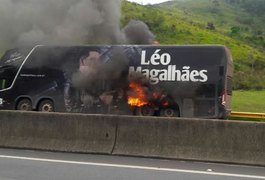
(169, 112)
(47, 108)
(146, 111)
(24, 105)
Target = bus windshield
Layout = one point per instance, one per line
(9, 65)
(7, 75)
(13, 57)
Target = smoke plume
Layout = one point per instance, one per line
(137, 32)
(57, 22)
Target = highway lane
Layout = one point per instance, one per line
(37, 165)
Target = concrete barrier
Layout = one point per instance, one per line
(190, 139)
(203, 140)
(57, 131)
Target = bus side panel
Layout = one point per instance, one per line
(41, 84)
(193, 78)
(194, 74)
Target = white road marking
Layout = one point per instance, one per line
(133, 167)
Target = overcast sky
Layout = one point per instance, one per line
(144, 2)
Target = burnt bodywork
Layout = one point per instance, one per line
(188, 81)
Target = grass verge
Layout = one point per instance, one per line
(249, 101)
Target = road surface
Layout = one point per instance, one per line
(40, 165)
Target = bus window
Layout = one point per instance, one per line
(206, 91)
(221, 71)
(2, 84)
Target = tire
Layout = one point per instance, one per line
(46, 106)
(145, 111)
(169, 112)
(24, 105)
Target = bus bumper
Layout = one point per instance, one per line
(5, 105)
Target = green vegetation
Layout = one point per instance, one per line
(237, 24)
(249, 101)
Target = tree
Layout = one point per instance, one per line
(210, 26)
(235, 31)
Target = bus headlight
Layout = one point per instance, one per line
(1, 101)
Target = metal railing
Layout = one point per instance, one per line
(248, 115)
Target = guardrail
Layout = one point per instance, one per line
(247, 115)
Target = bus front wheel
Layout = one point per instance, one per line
(46, 106)
(24, 105)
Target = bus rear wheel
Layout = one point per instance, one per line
(46, 106)
(145, 111)
(24, 105)
(169, 112)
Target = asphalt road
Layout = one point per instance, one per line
(40, 165)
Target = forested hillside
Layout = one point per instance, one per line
(238, 24)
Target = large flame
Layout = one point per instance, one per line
(138, 96)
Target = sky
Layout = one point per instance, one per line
(144, 2)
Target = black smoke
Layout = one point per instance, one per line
(67, 22)
(137, 32)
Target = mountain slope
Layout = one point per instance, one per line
(196, 22)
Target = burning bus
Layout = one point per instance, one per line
(147, 80)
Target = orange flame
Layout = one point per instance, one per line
(138, 97)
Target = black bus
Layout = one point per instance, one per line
(149, 80)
